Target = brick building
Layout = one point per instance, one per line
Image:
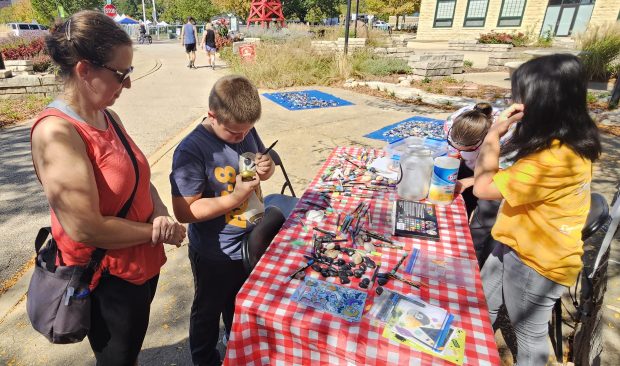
(466, 19)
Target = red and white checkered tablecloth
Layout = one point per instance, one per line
(271, 329)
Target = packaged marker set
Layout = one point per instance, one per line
(412, 318)
(412, 322)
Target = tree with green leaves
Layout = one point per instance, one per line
(177, 11)
(19, 11)
(310, 10)
(239, 7)
(48, 9)
(393, 7)
(132, 8)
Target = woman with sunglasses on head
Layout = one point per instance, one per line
(88, 176)
(545, 193)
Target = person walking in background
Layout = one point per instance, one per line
(208, 42)
(88, 176)
(189, 35)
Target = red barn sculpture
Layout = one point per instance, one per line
(266, 11)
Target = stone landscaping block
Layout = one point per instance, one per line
(42, 89)
(503, 55)
(18, 63)
(457, 70)
(20, 81)
(433, 72)
(422, 57)
(5, 74)
(49, 79)
(435, 64)
(14, 90)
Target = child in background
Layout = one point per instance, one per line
(209, 193)
(465, 135)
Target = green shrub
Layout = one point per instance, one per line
(294, 63)
(591, 98)
(517, 39)
(600, 46)
(468, 63)
(520, 39)
(41, 63)
(495, 38)
(283, 65)
(546, 39)
(366, 63)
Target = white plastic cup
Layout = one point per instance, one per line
(443, 180)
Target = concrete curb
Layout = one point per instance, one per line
(173, 142)
(16, 293)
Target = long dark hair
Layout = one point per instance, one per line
(553, 91)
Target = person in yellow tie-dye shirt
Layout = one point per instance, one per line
(546, 197)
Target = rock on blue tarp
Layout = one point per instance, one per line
(305, 99)
(414, 126)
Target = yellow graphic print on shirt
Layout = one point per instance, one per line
(237, 217)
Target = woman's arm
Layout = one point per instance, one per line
(487, 164)
(66, 173)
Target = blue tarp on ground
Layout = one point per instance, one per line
(305, 99)
(414, 126)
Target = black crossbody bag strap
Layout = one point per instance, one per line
(99, 253)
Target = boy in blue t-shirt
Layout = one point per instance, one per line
(208, 193)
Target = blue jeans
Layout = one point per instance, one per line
(529, 298)
(286, 204)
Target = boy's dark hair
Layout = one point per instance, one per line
(190, 19)
(485, 108)
(234, 99)
(553, 90)
(86, 35)
(470, 127)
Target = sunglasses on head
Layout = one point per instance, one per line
(121, 76)
(463, 147)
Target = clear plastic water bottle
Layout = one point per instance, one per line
(416, 168)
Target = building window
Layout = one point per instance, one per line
(511, 14)
(444, 13)
(476, 13)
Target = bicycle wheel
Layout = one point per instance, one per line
(150, 40)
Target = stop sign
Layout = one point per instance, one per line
(109, 10)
